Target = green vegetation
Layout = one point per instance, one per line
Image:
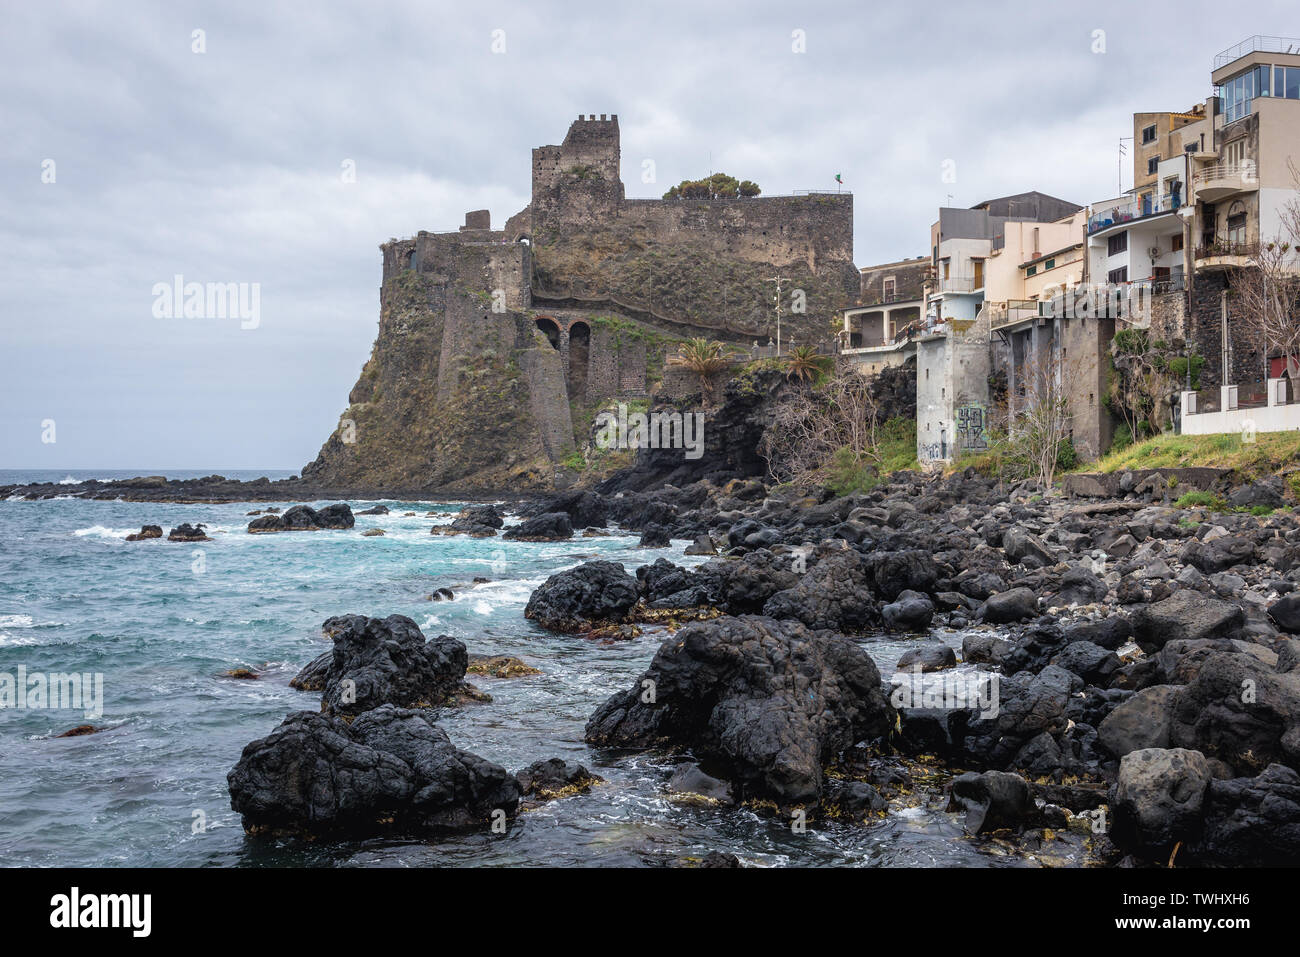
(1214, 503)
(1144, 374)
(895, 450)
(806, 364)
(705, 359)
(1270, 452)
(717, 186)
(1200, 499)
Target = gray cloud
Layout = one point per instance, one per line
(226, 166)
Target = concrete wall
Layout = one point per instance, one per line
(1245, 422)
(1085, 365)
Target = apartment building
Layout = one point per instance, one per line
(879, 330)
(1035, 335)
(1156, 138)
(988, 248)
(1241, 157)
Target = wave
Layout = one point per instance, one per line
(9, 641)
(101, 531)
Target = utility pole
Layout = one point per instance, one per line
(777, 303)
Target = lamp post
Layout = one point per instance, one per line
(777, 305)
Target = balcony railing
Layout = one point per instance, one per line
(891, 299)
(958, 284)
(1166, 284)
(1243, 175)
(1137, 209)
(1222, 247)
(1257, 44)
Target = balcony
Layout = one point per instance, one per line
(1218, 180)
(1131, 212)
(1015, 311)
(959, 284)
(890, 300)
(1256, 44)
(1225, 253)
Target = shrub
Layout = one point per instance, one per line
(1200, 499)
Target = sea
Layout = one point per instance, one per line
(162, 623)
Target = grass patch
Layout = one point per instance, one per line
(1269, 453)
(848, 474)
(1200, 500)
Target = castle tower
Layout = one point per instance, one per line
(580, 177)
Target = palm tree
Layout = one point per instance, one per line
(705, 359)
(806, 364)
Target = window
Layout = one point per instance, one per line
(1031, 271)
(1149, 134)
(1236, 93)
(1236, 223)
(1176, 243)
(888, 285)
(1118, 275)
(1117, 244)
(1286, 82)
(1153, 164)
(1050, 264)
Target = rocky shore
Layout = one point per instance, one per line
(1128, 668)
(218, 488)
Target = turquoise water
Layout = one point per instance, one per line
(162, 621)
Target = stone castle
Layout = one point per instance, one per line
(496, 347)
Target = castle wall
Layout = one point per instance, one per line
(774, 230)
(463, 388)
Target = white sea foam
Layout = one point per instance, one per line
(16, 621)
(9, 641)
(100, 531)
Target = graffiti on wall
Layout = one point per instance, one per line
(972, 428)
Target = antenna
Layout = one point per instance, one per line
(1119, 165)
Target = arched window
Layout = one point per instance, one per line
(1237, 223)
(550, 330)
(579, 358)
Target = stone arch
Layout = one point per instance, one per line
(549, 328)
(579, 358)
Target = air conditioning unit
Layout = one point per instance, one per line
(1154, 252)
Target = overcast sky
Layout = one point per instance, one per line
(227, 166)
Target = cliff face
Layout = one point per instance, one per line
(447, 405)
